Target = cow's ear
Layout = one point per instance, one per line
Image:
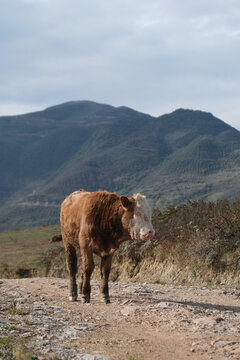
(126, 203)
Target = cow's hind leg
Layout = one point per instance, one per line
(88, 267)
(71, 260)
(106, 263)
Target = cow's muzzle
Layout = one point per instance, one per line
(149, 235)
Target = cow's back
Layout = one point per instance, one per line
(93, 214)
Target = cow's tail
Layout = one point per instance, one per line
(57, 238)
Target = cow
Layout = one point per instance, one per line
(97, 223)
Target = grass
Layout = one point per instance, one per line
(14, 310)
(194, 241)
(159, 282)
(22, 251)
(11, 349)
(9, 327)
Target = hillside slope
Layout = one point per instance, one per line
(48, 154)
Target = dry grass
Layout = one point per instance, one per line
(200, 240)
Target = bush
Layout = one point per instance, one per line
(198, 233)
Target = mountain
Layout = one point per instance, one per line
(172, 158)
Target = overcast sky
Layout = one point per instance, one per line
(151, 55)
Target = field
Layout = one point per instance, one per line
(22, 251)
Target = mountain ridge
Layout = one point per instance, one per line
(172, 158)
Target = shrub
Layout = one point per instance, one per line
(197, 233)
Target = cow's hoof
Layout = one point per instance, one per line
(85, 299)
(106, 300)
(73, 298)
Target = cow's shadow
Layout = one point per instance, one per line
(203, 305)
(207, 306)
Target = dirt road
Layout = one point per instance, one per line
(143, 321)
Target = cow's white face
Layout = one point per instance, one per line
(142, 226)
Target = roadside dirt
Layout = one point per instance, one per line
(143, 321)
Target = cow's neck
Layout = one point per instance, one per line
(123, 238)
(113, 245)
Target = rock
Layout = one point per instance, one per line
(219, 319)
(128, 310)
(92, 357)
(205, 321)
(164, 304)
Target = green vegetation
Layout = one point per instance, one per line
(13, 349)
(14, 310)
(195, 243)
(48, 154)
(6, 348)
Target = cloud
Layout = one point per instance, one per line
(151, 55)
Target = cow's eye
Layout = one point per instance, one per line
(142, 216)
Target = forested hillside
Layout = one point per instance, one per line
(172, 158)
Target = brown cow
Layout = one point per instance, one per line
(98, 223)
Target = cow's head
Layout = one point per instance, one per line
(138, 216)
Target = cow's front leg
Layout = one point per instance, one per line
(81, 285)
(88, 267)
(106, 263)
(71, 260)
